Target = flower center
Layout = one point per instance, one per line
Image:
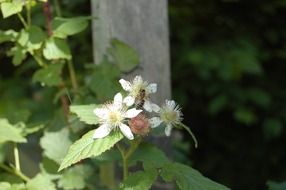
(169, 116)
(115, 118)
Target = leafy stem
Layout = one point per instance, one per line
(125, 154)
(28, 11)
(72, 76)
(15, 172)
(16, 157)
(21, 18)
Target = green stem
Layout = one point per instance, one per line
(28, 11)
(72, 76)
(57, 8)
(191, 133)
(16, 157)
(15, 172)
(22, 20)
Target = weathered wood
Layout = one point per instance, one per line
(144, 26)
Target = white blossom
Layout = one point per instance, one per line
(113, 116)
(170, 114)
(139, 91)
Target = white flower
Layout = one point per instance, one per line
(170, 114)
(113, 116)
(139, 91)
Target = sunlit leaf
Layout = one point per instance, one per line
(87, 147)
(56, 48)
(8, 35)
(9, 133)
(85, 113)
(11, 8)
(41, 182)
(56, 144)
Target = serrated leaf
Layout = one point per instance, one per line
(85, 113)
(139, 180)
(41, 182)
(50, 75)
(56, 48)
(74, 178)
(8, 35)
(11, 8)
(157, 160)
(87, 147)
(124, 55)
(56, 144)
(9, 133)
(66, 27)
(188, 178)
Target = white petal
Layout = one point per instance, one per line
(155, 122)
(125, 84)
(171, 104)
(151, 88)
(118, 100)
(101, 131)
(155, 107)
(168, 130)
(129, 100)
(132, 113)
(147, 106)
(126, 131)
(101, 112)
(137, 80)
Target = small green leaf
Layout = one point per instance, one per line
(139, 180)
(87, 147)
(18, 53)
(32, 38)
(8, 35)
(85, 113)
(50, 75)
(188, 178)
(56, 144)
(41, 182)
(123, 55)
(11, 8)
(276, 186)
(245, 116)
(74, 178)
(10, 133)
(157, 160)
(70, 26)
(56, 49)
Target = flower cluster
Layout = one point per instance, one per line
(130, 113)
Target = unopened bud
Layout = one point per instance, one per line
(140, 125)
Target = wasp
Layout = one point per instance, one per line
(141, 98)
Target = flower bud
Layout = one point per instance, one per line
(139, 125)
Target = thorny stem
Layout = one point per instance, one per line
(125, 154)
(15, 172)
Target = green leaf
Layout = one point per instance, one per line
(85, 113)
(8, 35)
(74, 178)
(124, 55)
(139, 180)
(272, 128)
(28, 40)
(157, 160)
(87, 147)
(11, 8)
(41, 182)
(66, 27)
(245, 116)
(5, 186)
(56, 49)
(50, 75)
(19, 54)
(188, 178)
(18, 187)
(56, 144)
(276, 186)
(10, 133)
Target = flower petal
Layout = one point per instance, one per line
(129, 100)
(155, 122)
(137, 80)
(147, 106)
(101, 112)
(151, 88)
(126, 131)
(118, 100)
(155, 108)
(125, 84)
(168, 130)
(132, 113)
(101, 131)
(171, 104)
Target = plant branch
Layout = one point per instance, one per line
(72, 76)
(191, 133)
(57, 8)
(28, 11)
(15, 172)
(22, 20)
(16, 157)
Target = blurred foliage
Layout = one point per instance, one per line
(228, 66)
